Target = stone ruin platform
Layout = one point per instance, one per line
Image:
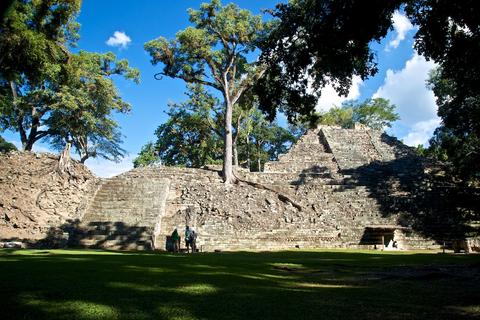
(335, 188)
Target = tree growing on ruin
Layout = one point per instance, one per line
(83, 104)
(214, 52)
(49, 93)
(192, 136)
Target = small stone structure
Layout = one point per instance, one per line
(353, 188)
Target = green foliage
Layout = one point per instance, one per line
(265, 141)
(375, 113)
(82, 106)
(6, 146)
(338, 116)
(34, 37)
(46, 92)
(457, 140)
(193, 136)
(322, 40)
(147, 156)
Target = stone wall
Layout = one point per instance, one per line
(35, 199)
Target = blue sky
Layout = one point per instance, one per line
(124, 26)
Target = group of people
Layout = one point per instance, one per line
(190, 240)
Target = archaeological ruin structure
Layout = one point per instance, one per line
(350, 188)
(334, 188)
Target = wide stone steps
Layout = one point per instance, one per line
(288, 178)
(299, 167)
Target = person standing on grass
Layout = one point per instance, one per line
(193, 241)
(176, 240)
(188, 238)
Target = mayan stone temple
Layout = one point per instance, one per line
(353, 188)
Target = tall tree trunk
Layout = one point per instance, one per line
(235, 153)
(248, 152)
(64, 161)
(259, 162)
(21, 130)
(235, 140)
(228, 176)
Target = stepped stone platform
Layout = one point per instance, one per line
(349, 188)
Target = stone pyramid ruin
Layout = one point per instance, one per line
(349, 188)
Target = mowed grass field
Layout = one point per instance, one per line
(333, 284)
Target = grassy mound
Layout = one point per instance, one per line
(67, 284)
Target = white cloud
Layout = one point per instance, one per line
(421, 132)
(106, 169)
(415, 103)
(330, 97)
(119, 39)
(401, 25)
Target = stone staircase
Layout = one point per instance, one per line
(125, 213)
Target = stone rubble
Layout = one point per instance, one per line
(34, 198)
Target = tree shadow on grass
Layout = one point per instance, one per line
(96, 234)
(241, 285)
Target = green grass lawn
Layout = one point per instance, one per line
(333, 284)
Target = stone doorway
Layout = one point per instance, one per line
(382, 237)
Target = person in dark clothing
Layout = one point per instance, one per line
(176, 240)
(188, 238)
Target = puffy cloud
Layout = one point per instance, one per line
(415, 102)
(330, 97)
(106, 169)
(401, 25)
(119, 39)
(421, 132)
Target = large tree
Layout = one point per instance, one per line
(457, 140)
(191, 136)
(34, 41)
(214, 52)
(83, 103)
(47, 92)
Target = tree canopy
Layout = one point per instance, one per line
(47, 92)
(316, 42)
(34, 37)
(82, 106)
